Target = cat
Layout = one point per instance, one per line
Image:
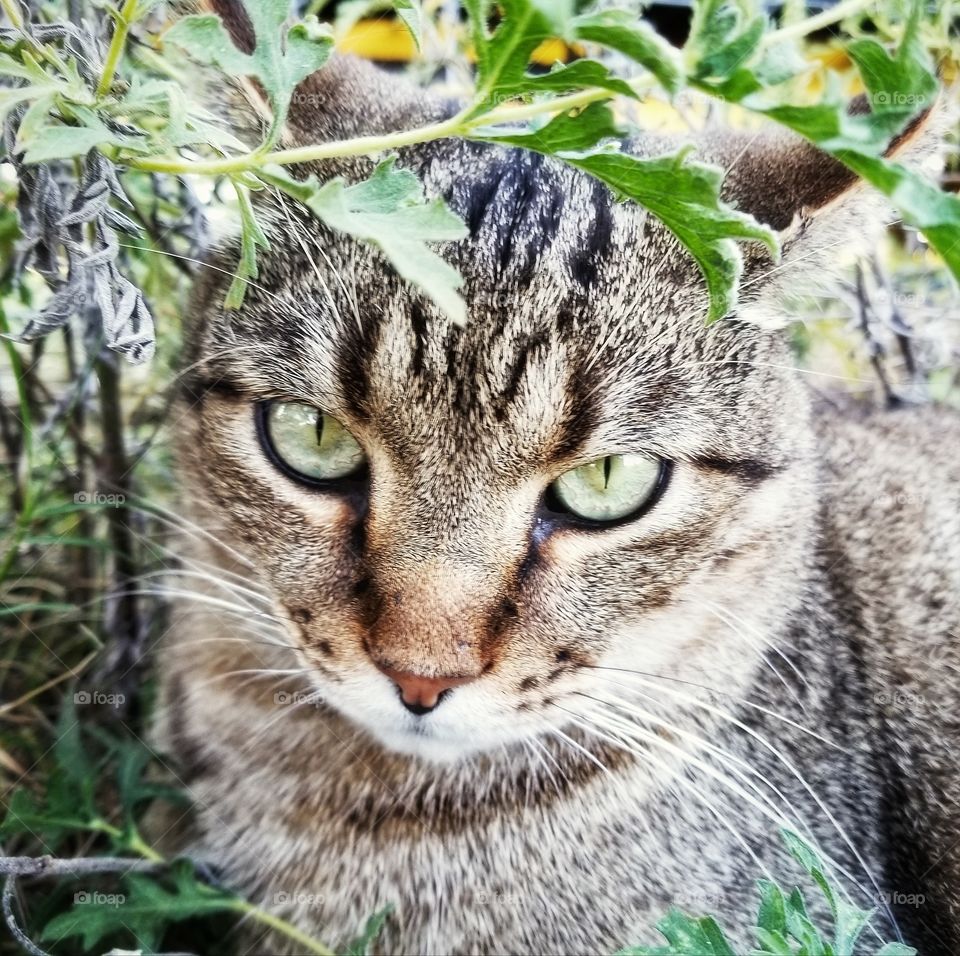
(533, 628)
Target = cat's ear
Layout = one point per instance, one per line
(347, 98)
(823, 213)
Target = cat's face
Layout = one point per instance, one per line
(447, 528)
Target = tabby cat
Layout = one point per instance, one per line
(533, 628)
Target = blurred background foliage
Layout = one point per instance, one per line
(86, 480)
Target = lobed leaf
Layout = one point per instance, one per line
(281, 57)
(682, 193)
(389, 211)
(625, 33)
(145, 910)
(726, 58)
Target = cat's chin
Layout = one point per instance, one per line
(428, 748)
(434, 745)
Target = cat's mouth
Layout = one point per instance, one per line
(462, 722)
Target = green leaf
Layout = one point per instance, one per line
(625, 33)
(801, 928)
(145, 910)
(687, 936)
(9, 98)
(577, 76)
(410, 13)
(60, 815)
(503, 56)
(682, 193)
(725, 58)
(362, 944)
(566, 132)
(849, 920)
(773, 944)
(252, 238)
(281, 58)
(897, 949)
(47, 139)
(773, 915)
(390, 212)
(133, 785)
(205, 39)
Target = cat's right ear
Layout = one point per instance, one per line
(821, 210)
(347, 98)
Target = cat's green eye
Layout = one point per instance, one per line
(609, 488)
(309, 443)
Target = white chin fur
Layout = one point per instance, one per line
(470, 722)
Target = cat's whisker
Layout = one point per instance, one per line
(626, 672)
(286, 710)
(793, 823)
(183, 524)
(237, 640)
(631, 710)
(557, 732)
(624, 715)
(541, 753)
(791, 768)
(197, 596)
(233, 588)
(673, 773)
(209, 265)
(608, 712)
(796, 259)
(252, 674)
(759, 641)
(311, 261)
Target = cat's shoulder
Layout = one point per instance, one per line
(890, 520)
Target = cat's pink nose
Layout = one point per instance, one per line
(421, 694)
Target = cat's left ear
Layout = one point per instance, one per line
(822, 211)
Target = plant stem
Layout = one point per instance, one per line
(826, 18)
(358, 146)
(12, 12)
(137, 845)
(463, 124)
(282, 926)
(458, 125)
(27, 497)
(118, 43)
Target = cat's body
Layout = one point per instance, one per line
(500, 822)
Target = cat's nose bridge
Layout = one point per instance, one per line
(434, 619)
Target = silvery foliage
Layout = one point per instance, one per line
(70, 226)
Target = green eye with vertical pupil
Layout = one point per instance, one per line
(310, 443)
(609, 488)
